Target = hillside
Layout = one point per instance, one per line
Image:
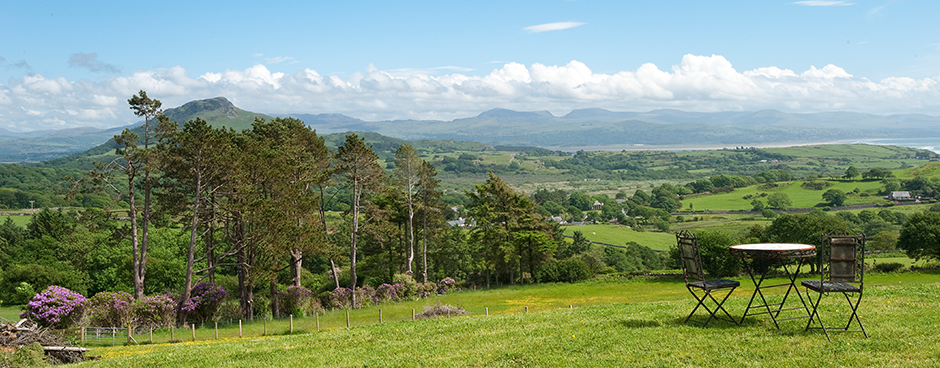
(599, 129)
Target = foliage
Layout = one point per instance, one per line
(888, 267)
(204, 302)
(920, 236)
(568, 270)
(107, 309)
(32, 355)
(56, 307)
(155, 311)
(295, 300)
(716, 259)
(884, 240)
(780, 201)
(834, 197)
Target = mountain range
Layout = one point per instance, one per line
(590, 129)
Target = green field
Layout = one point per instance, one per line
(19, 220)
(620, 235)
(614, 322)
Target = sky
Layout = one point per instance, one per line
(67, 64)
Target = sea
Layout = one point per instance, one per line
(930, 144)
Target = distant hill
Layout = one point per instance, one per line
(603, 129)
(217, 111)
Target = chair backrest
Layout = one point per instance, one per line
(690, 257)
(844, 253)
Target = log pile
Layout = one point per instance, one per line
(16, 335)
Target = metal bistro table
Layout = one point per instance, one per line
(758, 258)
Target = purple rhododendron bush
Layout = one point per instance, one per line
(55, 307)
(107, 309)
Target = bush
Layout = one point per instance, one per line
(56, 307)
(107, 309)
(888, 267)
(295, 300)
(154, 311)
(389, 292)
(716, 259)
(204, 302)
(447, 285)
(409, 285)
(426, 289)
(569, 270)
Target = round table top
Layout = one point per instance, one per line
(773, 247)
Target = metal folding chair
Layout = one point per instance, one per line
(842, 270)
(700, 288)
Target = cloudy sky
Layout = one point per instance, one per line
(68, 64)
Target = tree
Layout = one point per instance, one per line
(499, 212)
(150, 110)
(920, 236)
(757, 205)
(431, 207)
(834, 197)
(407, 173)
(780, 201)
(359, 167)
(851, 172)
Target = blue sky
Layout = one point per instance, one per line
(69, 64)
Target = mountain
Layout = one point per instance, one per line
(217, 111)
(596, 128)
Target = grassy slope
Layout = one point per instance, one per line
(620, 235)
(623, 323)
(19, 220)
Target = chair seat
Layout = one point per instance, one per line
(714, 284)
(826, 287)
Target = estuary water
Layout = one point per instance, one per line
(931, 144)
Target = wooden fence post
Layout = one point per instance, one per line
(291, 323)
(412, 314)
(487, 311)
(380, 316)
(347, 318)
(216, 330)
(527, 309)
(194, 331)
(318, 321)
(264, 320)
(239, 328)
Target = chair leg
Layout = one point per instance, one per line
(816, 314)
(854, 315)
(722, 303)
(701, 302)
(711, 313)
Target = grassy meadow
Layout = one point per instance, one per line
(612, 322)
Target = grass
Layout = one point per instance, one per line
(620, 235)
(624, 322)
(19, 220)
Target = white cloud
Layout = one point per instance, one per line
(278, 59)
(557, 26)
(696, 83)
(822, 3)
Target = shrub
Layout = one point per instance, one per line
(426, 289)
(569, 270)
(440, 310)
(295, 300)
(365, 296)
(107, 309)
(888, 267)
(204, 302)
(154, 311)
(56, 307)
(447, 285)
(716, 259)
(389, 292)
(410, 287)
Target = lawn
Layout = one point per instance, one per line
(614, 322)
